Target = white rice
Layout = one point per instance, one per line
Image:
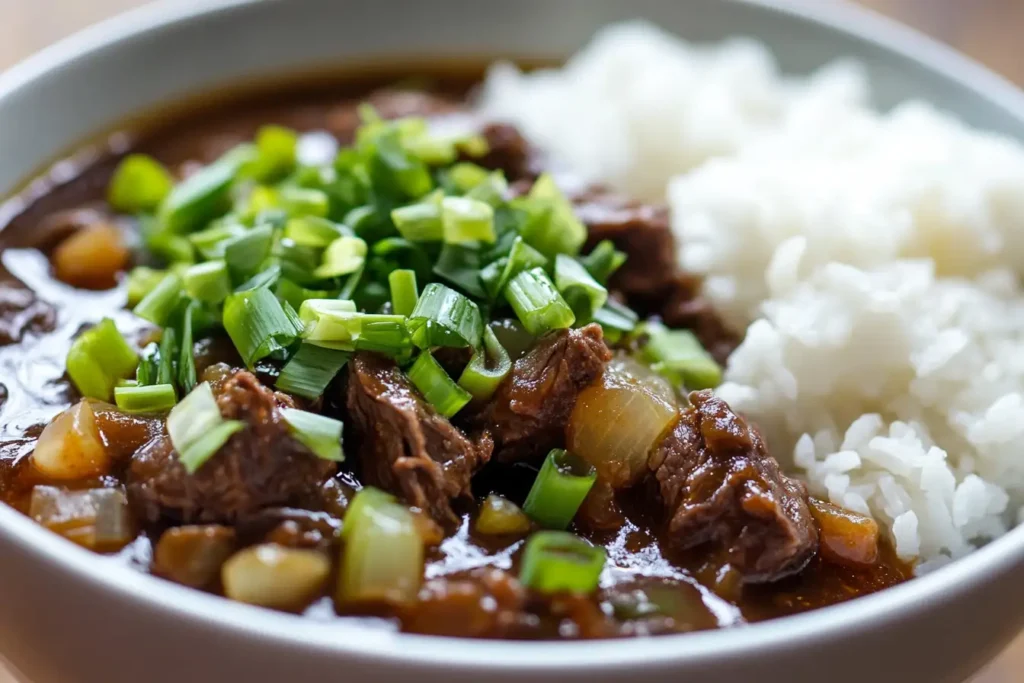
(874, 261)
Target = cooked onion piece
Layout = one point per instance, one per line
(272, 575)
(70, 447)
(92, 257)
(193, 555)
(846, 537)
(501, 517)
(615, 423)
(94, 518)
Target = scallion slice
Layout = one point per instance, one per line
(460, 265)
(614, 316)
(581, 291)
(310, 370)
(295, 294)
(186, 357)
(537, 303)
(421, 222)
(197, 429)
(208, 282)
(246, 253)
(487, 368)
(204, 195)
(318, 433)
(336, 324)
(679, 356)
(258, 324)
(467, 220)
(343, 256)
(276, 152)
(553, 227)
(557, 493)
(98, 358)
(559, 562)
(443, 317)
(313, 231)
(139, 184)
(142, 281)
(154, 398)
(211, 242)
(404, 292)
(161, 302)
(603, 260)
(149, 361)
(168, 353)
(520, 257)
(267, 277)
(437, 387)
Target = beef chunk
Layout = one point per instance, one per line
(528, 414)
(405, 446)
(260, 466)
(509, 152)
(720, 486)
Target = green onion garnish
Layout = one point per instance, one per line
(553, 227)
(443, 317)
(139, 184)
(318, 433)
(313, 231)
(336, 324)
(149, 361)
(154, 398)
(436, 386)
(295, 294)
(404, 292)
(187, 361)
(98, 358)
(537, 303)
(487, 368)
(520, 257)
(208, 282)
(467, 220)
(161, 302)
(204, 195)
(197, 429)
(276, 153)
(420, 222)
(679, 356)
(459, 265)
(142, 281)
(559, 562)
(211, 242)
(246, 253)
(603, 260)
(614, 316)
(258, 324)
(557, 493)
(579, 289)
(310, 370)
(343, 256)
(267, 278)
(168, 354)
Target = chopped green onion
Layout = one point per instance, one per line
(404, 292)
(313, 231)
(679, 356)
(487, 368)
(267, 277)
(154, 398)
(139, 184)
(553, 227)
(295, 294)
(464, 176)
(498, 273)
(617, 317)
(142, 281)
(603, 260)
(246, 253)
(460, 265)
(436, 386)
(559, 562)
(168, 352)
(501, 517)
(171, 248)
(257, 324)
(337, 325)
(204, 195)
(211, 242)
(197, 429)
(492, 190)
(393, 166)
(300, 202)
(467, 220)
(537, 303)
(310, 370)
(557, 493)
(343, 256)
(383, 555)
(208, 282)
(579, 289)
(146, 374)
(276, 147)
(161, 302)
(98, 358)
(443, 317)
(318, 433)
(187, 360)
(421, 222)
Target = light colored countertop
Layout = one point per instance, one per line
(988, 30)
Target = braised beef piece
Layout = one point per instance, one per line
(509, 151)
(404, 445)
(481, 603)
(260, 466)
(720, 486)
(528, 414)
(22, 312)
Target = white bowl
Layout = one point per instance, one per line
(68, 615)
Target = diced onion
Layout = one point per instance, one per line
(94, 518)
(501, 517)
(70, 447)
(193, 555)
(92, 257)
(615, 423)
(846, 537)
(272, 575)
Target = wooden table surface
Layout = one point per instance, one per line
(988, 30)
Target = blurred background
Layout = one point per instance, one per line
(988, 30)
